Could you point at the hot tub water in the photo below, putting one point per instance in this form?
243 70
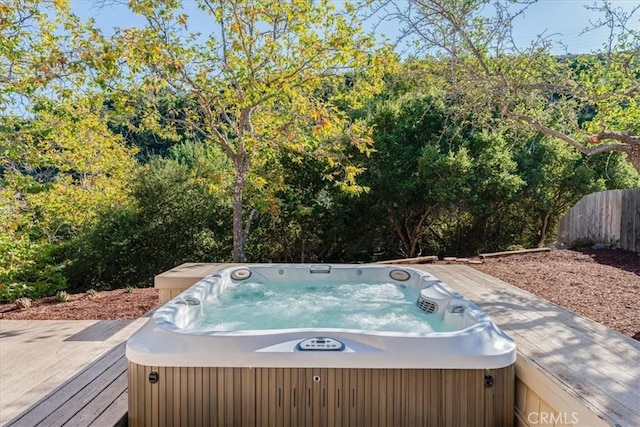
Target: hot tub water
363 306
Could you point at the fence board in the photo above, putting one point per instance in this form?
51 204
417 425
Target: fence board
630 220
611 217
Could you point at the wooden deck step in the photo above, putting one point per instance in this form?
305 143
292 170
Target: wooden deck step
95 396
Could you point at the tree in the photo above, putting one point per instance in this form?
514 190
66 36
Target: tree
556 178
430 180
255 82
492 80
407 172
59 169
59 164
45 51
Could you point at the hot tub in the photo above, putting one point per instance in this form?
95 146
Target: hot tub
320 345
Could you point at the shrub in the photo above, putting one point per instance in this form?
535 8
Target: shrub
174 218
583 243
13 291
128 290
92 293
23 303
62 296
29 269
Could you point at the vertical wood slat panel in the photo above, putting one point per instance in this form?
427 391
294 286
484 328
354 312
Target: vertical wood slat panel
448 390
154 404
238 397
323 397
206 397
341 402
333 411
190 397
466 381
213 396
272 397
261 419
507 394
411 398
393 393
229 397
250 379
399 417
287 396
147 397
162 399
437 404
363 394
386 381
491 399
275 391
470 379
351 391
172 415
375 399
302 397
296 398
610 217
630 222
316 396
197 400
182 410
132 390
265 402
479 406
220 396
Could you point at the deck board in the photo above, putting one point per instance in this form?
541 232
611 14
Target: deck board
75 372
82 392
113 412
67 391
85 397
109 397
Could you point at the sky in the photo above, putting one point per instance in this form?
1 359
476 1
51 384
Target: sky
567 19
564 19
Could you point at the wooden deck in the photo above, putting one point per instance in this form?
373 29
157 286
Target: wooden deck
567 365
567 360
55 373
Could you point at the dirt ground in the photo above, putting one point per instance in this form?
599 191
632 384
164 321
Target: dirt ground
603 285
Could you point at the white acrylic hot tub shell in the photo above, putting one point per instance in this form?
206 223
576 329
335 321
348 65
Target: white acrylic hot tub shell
167 341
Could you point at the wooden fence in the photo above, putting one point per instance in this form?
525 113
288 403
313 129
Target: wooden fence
610 217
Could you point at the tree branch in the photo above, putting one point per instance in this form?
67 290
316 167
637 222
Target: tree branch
624 147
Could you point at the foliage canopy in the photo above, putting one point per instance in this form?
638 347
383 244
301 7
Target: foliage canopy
124 155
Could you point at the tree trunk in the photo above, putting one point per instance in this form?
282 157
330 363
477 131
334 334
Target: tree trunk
239 237
543 230
634 155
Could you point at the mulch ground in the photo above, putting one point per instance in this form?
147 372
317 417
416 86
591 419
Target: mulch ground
602 285
105 305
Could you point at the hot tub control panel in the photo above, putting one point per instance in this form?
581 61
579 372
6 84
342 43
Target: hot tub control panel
320 344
